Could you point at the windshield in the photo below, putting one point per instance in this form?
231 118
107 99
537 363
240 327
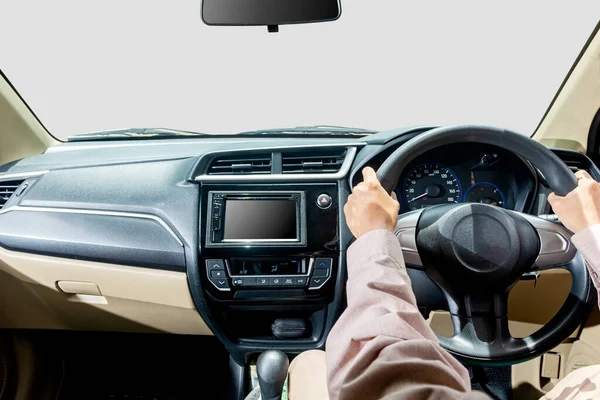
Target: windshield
87 66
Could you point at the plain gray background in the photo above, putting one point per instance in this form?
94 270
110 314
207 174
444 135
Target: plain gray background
105 64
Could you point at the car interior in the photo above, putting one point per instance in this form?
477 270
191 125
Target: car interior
159 263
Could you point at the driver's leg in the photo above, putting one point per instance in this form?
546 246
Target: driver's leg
307 379
581 384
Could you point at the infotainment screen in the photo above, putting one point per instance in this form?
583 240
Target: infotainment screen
260 220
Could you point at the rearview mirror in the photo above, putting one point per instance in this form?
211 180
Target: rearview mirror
269 12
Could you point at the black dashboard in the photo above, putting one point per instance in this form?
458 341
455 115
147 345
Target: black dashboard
172 205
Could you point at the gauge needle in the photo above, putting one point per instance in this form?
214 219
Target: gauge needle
418 197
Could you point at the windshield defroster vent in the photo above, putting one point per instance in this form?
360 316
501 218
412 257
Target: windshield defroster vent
7 189
248 165
313 162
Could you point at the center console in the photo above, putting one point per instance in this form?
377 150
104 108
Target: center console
269 252
280 243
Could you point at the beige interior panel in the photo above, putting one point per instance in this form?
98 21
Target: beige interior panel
535 303
21 134
129 299
590 335
568 121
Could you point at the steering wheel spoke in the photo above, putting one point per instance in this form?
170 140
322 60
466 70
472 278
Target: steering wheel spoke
480 324
555 248
406 232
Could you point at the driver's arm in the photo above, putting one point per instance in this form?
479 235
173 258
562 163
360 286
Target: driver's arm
381 347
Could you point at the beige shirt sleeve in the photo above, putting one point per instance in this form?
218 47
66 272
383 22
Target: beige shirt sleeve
588 243
381 347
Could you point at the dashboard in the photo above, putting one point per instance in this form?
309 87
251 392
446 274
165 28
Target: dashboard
217 236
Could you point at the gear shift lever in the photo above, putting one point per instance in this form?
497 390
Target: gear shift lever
272 368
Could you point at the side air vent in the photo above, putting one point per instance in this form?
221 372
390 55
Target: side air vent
7 189
574 165
243 165
313 162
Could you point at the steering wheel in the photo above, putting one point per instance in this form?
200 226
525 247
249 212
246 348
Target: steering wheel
476 253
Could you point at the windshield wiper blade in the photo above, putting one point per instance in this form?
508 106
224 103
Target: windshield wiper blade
162 133
135 133
324 130
335 128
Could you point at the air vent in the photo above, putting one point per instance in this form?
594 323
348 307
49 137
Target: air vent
7 189
314 162
248 165
574 165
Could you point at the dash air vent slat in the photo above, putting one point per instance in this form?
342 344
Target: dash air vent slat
575 165
240 165
313 162
7 189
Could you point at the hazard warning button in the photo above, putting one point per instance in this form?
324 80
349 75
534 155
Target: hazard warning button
324 201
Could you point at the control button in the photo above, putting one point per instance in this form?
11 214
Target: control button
249 281
321 272
316 283
216 211
218 274
289 282
244 282
299 281
276 281
263 281
216 224
323 263
215 265
324 201
220 283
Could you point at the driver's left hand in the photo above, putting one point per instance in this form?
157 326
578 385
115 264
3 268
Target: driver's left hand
370 207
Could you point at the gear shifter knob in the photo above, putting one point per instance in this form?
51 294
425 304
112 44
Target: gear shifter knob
272 368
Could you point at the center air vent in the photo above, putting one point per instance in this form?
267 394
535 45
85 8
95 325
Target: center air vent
243 165
7 189
313 162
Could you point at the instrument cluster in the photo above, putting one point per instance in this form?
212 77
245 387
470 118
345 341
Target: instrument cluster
466 173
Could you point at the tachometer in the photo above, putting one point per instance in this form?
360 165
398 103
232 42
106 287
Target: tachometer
431 184
486 193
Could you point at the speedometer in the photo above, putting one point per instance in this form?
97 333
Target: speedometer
431 184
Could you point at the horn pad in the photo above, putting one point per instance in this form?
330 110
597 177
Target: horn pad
476 244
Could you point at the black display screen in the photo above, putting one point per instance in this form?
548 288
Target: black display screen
258 220
266 267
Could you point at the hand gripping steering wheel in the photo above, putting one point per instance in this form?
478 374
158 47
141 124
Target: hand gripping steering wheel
476 253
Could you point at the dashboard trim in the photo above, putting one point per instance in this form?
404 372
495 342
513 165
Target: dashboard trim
20 175
341 174
155 218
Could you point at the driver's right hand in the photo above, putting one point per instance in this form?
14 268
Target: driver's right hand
580 208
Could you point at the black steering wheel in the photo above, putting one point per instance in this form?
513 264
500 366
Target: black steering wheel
476 253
